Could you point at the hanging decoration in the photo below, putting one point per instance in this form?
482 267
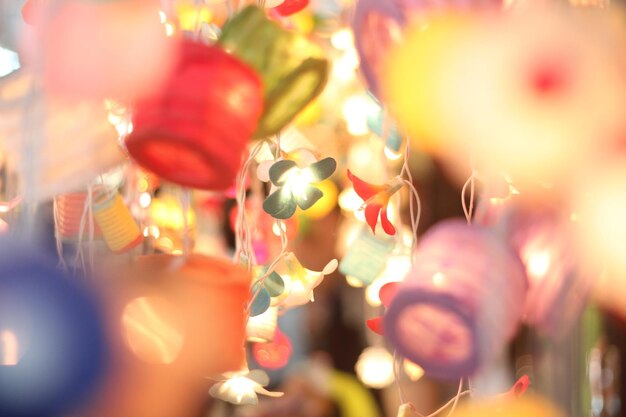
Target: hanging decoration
375 201
274 354
290 67
119 229
199 147
242 387
462 301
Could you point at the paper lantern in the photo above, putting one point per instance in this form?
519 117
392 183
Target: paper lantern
53 348
71 209
113 217
558 287
97 49
461 302
290 66
175 321
261 328
195 130
58 145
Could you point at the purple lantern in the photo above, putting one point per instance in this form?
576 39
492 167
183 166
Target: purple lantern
460 304
378 25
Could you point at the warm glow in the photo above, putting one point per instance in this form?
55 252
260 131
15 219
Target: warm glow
538 263
241 387
356 110
439 279
375 367
168 213
396 269
145 199
412 370
9 348
342 39
153 330
354 281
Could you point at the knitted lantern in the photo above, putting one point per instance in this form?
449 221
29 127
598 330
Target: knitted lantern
461 302
58 145
195 130
175 321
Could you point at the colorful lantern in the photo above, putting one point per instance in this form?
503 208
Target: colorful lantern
113 217
71 209
462 301
558 288
53 348
175 321
195 130
292 74
64 145
98 49
261 328
274 354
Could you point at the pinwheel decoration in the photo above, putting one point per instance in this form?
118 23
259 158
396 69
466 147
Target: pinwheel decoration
375 200
294 186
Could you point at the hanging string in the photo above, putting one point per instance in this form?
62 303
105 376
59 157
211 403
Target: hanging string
91 226
453 401
468 211
414 199
57 236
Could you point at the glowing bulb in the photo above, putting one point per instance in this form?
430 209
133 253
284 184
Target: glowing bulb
391 154
412 370
356 110
162 16
345 67
10 348
396 269
342 39
144 200
375 367
169 29
276 229
538 263
439 279
354 282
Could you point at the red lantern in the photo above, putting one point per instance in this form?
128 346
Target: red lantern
274 354
195 130
289 7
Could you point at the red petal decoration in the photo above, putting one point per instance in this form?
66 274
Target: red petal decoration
364 189
376 325
275 354
289 7
372 210
520 387
384 221
387 292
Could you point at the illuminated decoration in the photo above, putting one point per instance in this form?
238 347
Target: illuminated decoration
194 132
71 209
119 229
294 186
301 281
274 354
462 301
242 387
413 371
375 200
167 212
325 205
366 257
152 329
386 294
558 285
396 269
375 367
287 63
53 347
206 295
385 128
98 49
289 7
55 162
191 15
264 289
447 80
261 328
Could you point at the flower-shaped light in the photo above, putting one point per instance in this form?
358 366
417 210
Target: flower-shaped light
301 281
386 294
375 200
294 187
242 387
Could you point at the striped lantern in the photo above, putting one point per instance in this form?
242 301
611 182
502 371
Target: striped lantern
58 146
114 219
70 209
461 302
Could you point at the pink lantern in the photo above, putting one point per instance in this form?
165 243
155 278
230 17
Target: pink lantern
544 239
460 304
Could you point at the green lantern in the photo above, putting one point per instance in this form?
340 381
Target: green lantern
292 75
